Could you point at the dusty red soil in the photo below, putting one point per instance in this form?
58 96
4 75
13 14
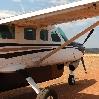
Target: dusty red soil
87 85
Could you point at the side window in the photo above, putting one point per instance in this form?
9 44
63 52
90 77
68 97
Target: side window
55 37
7 32
29 33
44 35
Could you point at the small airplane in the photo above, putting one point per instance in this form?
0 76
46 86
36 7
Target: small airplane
33 50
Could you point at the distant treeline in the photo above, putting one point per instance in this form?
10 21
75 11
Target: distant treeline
92 50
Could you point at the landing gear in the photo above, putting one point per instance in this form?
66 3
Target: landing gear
33 85
71 80
47 94
42 94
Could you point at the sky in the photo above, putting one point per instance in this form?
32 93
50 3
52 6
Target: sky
29 5
15 7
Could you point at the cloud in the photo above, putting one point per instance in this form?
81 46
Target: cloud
56 2
53 2
59 2
6 13
32 1
16 0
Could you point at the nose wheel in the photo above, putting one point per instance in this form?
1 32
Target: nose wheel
71 80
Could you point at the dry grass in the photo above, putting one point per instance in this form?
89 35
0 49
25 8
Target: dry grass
87 85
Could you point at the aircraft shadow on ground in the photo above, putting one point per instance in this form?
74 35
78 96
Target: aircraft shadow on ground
64 91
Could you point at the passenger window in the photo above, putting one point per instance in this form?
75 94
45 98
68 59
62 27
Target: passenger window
7 32
29 33
44 35
55 37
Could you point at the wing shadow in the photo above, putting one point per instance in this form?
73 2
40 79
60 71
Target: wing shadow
64 91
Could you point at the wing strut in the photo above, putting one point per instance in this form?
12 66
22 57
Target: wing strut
69 41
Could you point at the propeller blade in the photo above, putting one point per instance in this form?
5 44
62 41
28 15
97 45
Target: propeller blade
83 64
88 36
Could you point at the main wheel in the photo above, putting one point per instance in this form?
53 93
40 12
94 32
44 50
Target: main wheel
71 80
47 94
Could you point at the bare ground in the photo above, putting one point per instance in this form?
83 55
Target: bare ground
87 85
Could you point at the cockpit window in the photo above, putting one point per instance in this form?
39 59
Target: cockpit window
30 33
55 37
44 35
62 34
7 31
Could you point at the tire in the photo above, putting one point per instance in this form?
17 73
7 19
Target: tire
46 94
71 80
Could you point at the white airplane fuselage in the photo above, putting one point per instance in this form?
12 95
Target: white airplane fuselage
23 52
28 43
68 54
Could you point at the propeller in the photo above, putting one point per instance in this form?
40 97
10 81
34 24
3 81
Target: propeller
88 36
82 59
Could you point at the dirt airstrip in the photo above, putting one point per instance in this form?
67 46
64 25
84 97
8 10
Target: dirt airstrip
87 85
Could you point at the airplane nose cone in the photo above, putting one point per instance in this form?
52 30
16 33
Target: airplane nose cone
79 46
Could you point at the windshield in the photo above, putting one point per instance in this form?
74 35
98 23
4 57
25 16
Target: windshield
55 35
60 31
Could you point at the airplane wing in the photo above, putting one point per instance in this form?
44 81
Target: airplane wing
59 14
